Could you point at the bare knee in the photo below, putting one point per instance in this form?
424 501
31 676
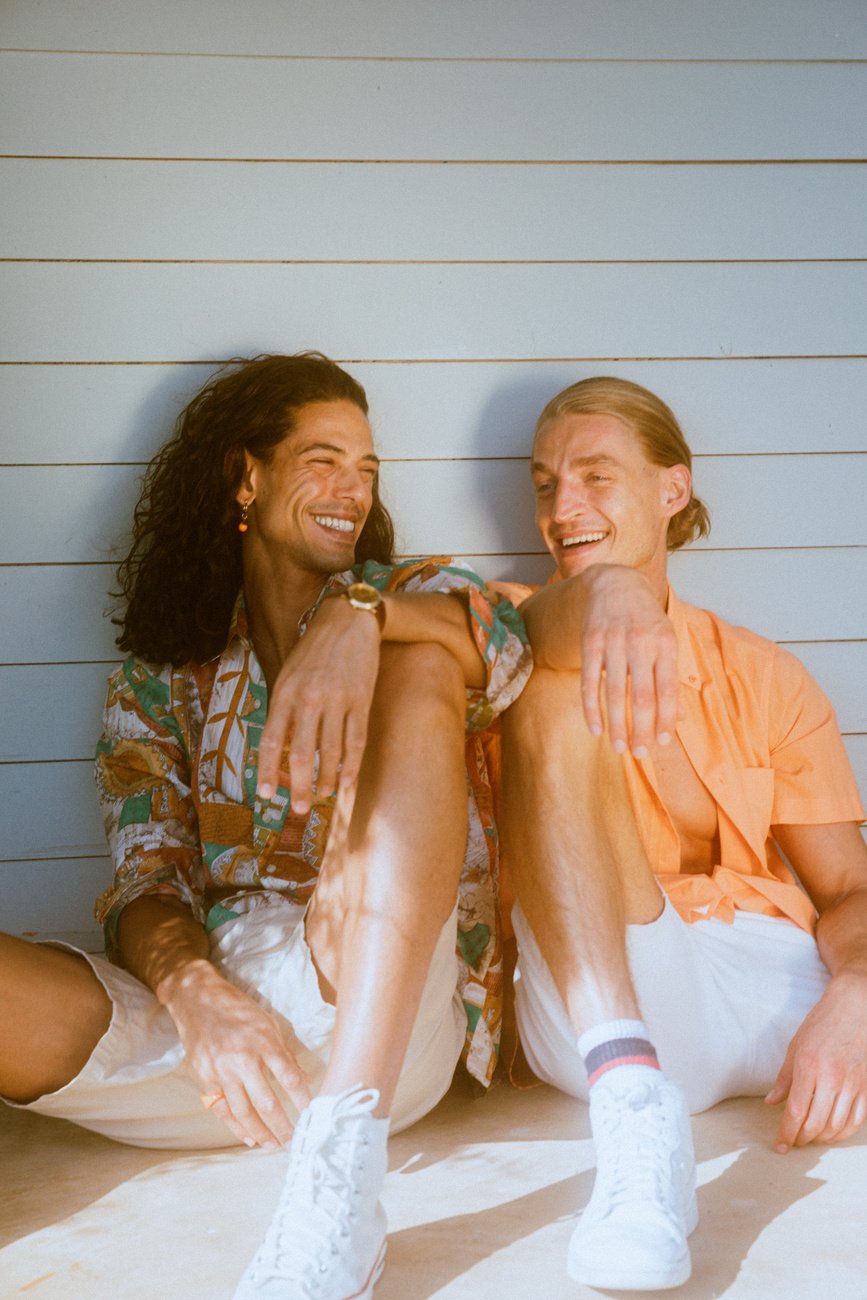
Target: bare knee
421 677
547 716
55 1012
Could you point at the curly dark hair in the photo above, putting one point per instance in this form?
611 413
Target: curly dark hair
179 581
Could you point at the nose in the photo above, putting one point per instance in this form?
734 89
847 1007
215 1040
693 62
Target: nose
568 500
352 484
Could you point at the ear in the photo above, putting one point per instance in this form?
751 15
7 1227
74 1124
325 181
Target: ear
676 490
247 487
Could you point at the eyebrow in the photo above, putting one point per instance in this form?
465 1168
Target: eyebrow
341 451
598 458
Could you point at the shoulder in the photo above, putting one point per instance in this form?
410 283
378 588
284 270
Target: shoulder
422 573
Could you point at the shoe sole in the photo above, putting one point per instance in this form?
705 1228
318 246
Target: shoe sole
611 1280
366 1292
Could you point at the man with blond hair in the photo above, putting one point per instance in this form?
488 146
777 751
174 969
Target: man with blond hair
658 771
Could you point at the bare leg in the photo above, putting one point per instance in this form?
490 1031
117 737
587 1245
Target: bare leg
569 835
54 1013
385 893
582 875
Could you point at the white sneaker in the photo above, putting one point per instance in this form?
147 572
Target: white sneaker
327 1238
633 1233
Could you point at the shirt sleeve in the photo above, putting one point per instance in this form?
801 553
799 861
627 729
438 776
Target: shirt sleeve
813 779
496 626
143 783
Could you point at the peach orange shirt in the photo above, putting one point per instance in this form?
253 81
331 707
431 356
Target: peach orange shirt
763 739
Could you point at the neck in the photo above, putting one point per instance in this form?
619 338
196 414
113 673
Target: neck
276 596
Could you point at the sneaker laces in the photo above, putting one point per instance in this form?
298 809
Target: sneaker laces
328 1150
639 1136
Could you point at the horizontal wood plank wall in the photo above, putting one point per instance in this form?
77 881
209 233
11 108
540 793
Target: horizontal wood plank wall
471 207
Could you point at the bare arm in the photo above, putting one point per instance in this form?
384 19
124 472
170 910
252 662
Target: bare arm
823 1079
231 1043
321 699
608 623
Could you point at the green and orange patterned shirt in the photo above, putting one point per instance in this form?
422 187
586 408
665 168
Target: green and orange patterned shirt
176 773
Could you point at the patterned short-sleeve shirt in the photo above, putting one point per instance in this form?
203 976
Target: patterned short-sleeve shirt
176 772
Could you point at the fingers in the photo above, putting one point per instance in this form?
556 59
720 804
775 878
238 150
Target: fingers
639 684
253 1110
276 728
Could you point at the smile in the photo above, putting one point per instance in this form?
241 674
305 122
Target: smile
582 541
339 525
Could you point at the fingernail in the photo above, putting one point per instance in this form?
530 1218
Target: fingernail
640 751
664 738
300 808
782 1148
265 791
620 746
269 1146
596 729
248 1142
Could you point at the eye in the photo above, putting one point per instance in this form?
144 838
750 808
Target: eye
544 487
598 477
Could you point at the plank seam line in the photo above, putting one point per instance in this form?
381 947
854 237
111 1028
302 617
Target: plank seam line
477 361
430 261
404 555
436 460
439 162
426 58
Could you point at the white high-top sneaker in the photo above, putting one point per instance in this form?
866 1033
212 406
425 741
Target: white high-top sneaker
633 1232
327 1237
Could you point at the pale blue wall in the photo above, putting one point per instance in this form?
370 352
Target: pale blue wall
471 206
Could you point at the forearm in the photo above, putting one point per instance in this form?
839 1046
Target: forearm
841 935
162 944
438 617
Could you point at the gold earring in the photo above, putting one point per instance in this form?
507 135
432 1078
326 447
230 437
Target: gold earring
242 522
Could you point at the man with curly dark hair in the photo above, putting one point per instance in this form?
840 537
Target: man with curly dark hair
302 934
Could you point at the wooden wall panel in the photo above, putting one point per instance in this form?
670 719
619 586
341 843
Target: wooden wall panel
462 295
54 612
54 898
127 106
85 414
54 804
760 501
677 29
66 723
60 208
80 312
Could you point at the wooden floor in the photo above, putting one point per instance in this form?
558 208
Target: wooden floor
481 1197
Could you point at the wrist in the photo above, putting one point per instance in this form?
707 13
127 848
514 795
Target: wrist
183 979
365 601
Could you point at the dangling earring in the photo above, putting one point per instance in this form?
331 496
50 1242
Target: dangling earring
242 522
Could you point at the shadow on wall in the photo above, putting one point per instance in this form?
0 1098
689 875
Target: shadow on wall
507 421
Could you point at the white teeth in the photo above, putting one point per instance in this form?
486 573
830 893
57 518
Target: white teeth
329 521
581 541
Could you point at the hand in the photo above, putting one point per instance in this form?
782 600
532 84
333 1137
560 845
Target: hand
629 658
321 703
236 1050
823 1079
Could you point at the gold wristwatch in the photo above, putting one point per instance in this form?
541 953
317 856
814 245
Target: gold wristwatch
361 595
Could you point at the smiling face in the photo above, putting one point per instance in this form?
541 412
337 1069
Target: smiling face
310 501
600 500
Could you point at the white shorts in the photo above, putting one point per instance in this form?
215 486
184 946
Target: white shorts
138 1088
721 1002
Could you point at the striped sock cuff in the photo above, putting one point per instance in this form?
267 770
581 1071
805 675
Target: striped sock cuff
619 1051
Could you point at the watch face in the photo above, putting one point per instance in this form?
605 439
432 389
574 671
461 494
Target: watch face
362 595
